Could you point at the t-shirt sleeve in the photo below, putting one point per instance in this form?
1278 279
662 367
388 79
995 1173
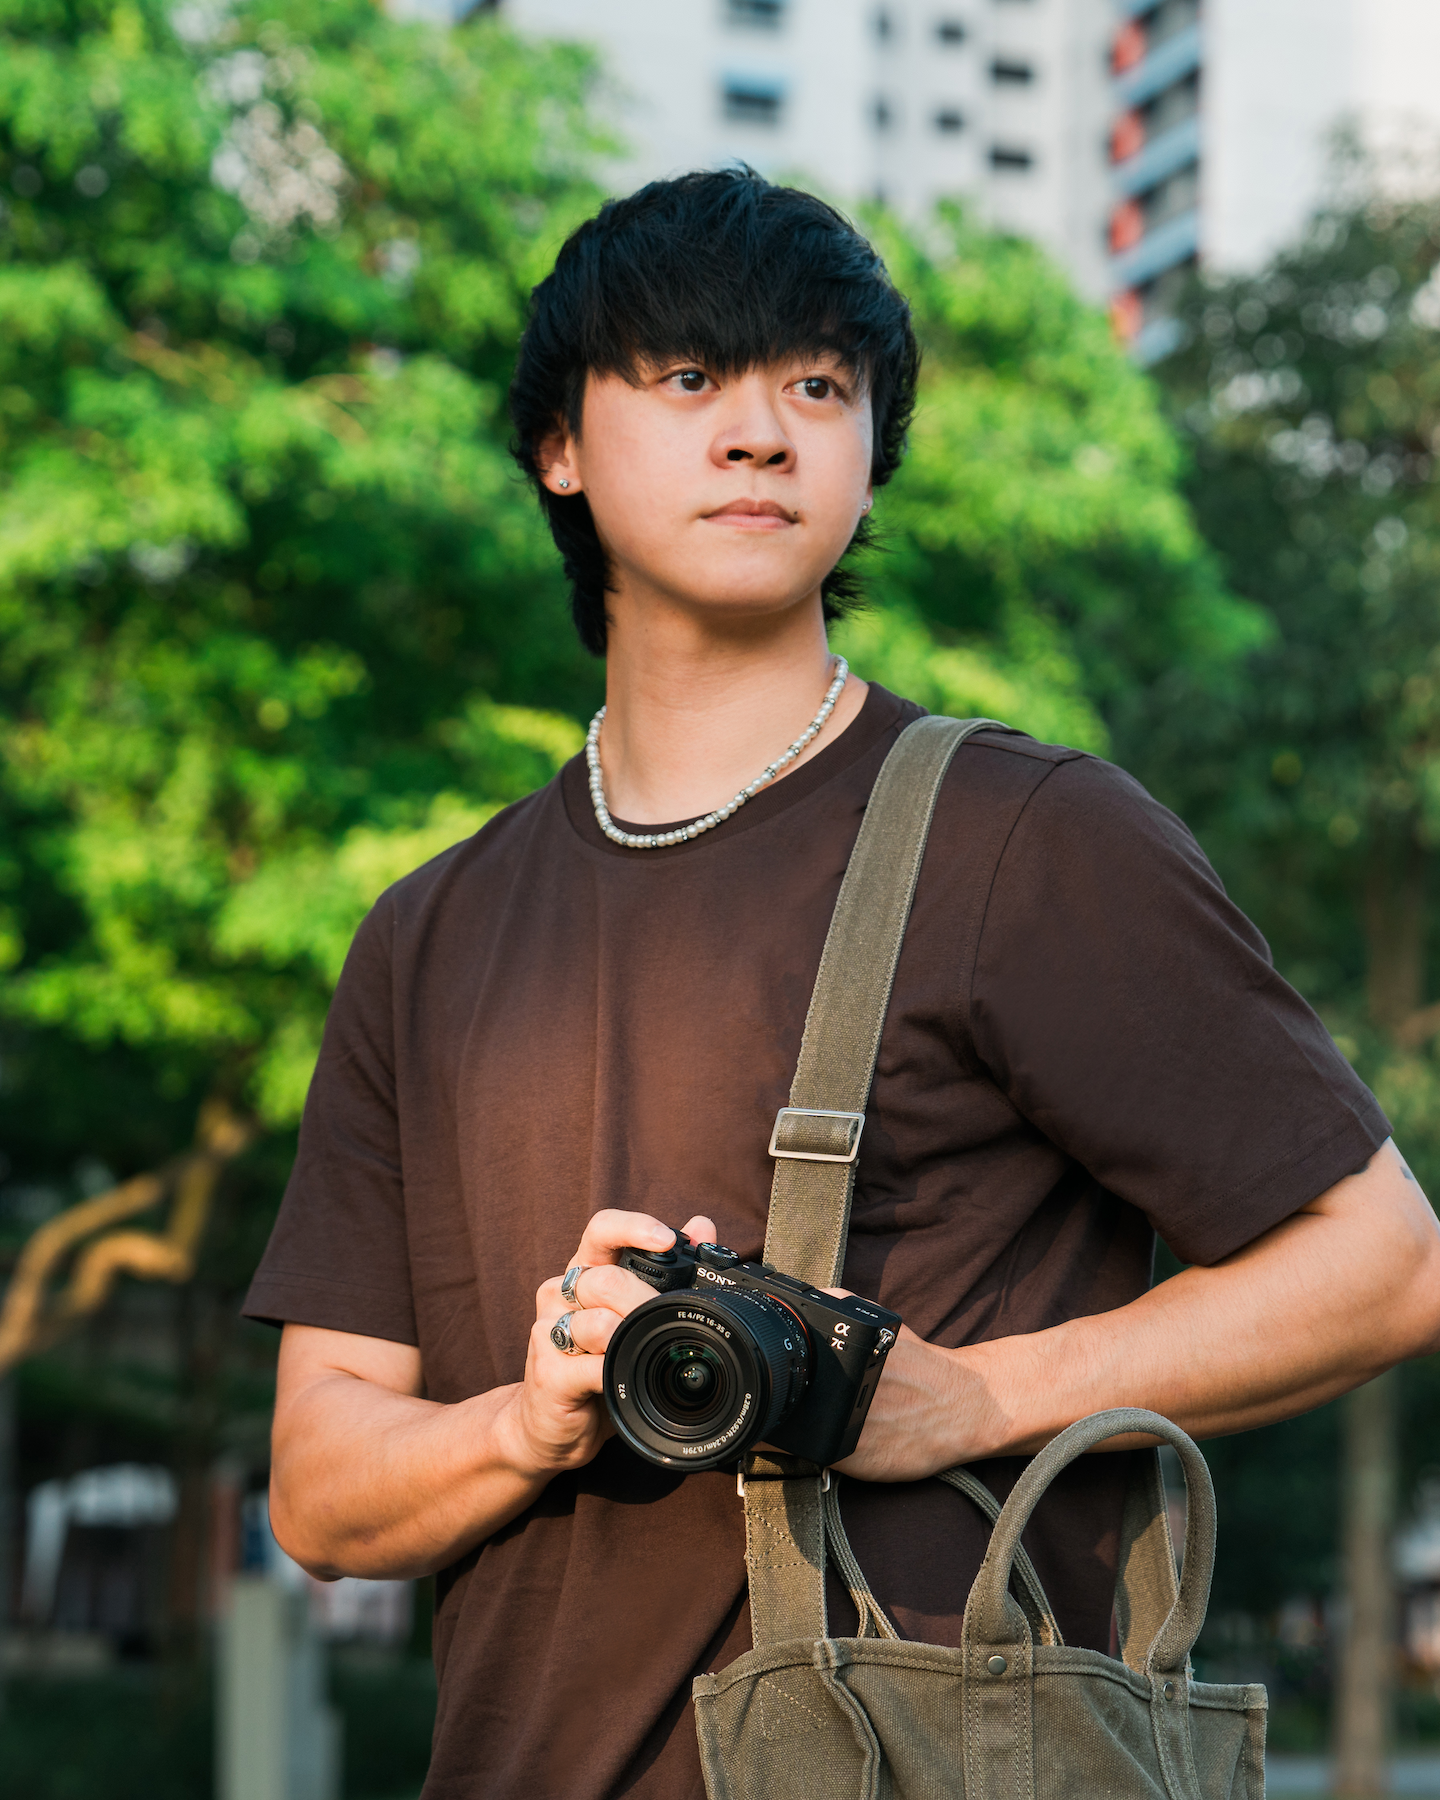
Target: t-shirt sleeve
1131 1012
338 1255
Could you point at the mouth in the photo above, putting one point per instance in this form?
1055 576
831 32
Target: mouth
753 515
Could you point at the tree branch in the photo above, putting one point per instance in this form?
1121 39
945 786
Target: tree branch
31 1319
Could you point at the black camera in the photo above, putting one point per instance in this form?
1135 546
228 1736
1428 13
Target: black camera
730 1354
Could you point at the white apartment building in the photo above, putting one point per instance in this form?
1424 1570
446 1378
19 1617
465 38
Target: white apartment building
1133 139
1225 114
1003 101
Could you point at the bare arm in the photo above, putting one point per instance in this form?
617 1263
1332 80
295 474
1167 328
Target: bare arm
1329 1298
368 1478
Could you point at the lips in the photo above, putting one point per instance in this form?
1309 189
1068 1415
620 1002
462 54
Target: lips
752 509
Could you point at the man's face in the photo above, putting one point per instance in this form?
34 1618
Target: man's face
733 494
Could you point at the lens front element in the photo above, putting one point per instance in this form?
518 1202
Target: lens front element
687 1379
694 1380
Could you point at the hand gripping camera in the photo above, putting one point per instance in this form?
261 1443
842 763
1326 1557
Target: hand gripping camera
730 1354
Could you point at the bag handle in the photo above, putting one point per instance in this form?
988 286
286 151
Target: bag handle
992 1617
817 1138
1146 1589
1033 1600
1028 1588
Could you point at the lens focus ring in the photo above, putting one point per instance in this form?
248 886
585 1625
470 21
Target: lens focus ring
693 1380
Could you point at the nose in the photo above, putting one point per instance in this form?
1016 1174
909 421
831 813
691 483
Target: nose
751 431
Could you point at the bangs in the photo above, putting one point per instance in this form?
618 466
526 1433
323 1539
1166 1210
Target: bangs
743 285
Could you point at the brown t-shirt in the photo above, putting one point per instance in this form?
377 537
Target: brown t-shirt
1085 1041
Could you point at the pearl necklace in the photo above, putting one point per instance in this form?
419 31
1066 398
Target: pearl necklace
658 840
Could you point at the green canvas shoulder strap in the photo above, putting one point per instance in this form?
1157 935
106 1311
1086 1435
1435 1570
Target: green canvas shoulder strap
815 1144
817 1139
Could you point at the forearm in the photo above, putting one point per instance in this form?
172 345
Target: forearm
370 1482
1201 1349
1345 1288
1333 1296
367 1478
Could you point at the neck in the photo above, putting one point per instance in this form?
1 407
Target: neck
693 711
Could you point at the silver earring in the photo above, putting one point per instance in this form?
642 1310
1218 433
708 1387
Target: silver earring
563 484
865 506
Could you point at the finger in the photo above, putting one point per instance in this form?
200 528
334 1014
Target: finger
701 1230
568 1383
610 1232
590 1331
608 1285
570 1378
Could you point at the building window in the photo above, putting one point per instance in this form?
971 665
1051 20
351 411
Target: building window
884 26
753 102
1007 156
1169 18
950 31
1172 107
1179 193
1005 72
881 113
948 119
769 13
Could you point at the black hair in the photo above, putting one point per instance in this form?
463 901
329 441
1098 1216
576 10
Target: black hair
729 269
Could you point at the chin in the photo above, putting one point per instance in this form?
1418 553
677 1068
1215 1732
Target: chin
751 587
750 600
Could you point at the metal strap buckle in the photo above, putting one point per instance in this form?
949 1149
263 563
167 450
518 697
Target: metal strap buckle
854 1123
824 1481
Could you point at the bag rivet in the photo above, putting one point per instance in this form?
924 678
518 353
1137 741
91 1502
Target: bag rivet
997 1665
1168 1690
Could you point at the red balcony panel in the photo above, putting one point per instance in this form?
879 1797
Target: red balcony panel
1127 315
1128 47
1127 226
1127 136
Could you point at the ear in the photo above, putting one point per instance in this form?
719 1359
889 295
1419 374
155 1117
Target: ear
555 454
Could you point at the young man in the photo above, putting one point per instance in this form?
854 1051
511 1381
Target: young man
554 1041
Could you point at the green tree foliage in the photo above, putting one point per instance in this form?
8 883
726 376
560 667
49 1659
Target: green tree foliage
1310 397
1041 564
272 602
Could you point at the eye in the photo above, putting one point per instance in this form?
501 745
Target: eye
817 387
692 381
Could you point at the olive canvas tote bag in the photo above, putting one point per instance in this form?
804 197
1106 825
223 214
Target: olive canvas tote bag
1014 1713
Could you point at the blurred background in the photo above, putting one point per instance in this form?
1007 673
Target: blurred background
277 623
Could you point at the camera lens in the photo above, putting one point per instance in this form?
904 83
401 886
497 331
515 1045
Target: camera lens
696 1380
684 1383
688 1378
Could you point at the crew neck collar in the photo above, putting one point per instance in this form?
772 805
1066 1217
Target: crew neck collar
881 713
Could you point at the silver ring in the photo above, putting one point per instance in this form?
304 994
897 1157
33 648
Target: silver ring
571 1283
560 1336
